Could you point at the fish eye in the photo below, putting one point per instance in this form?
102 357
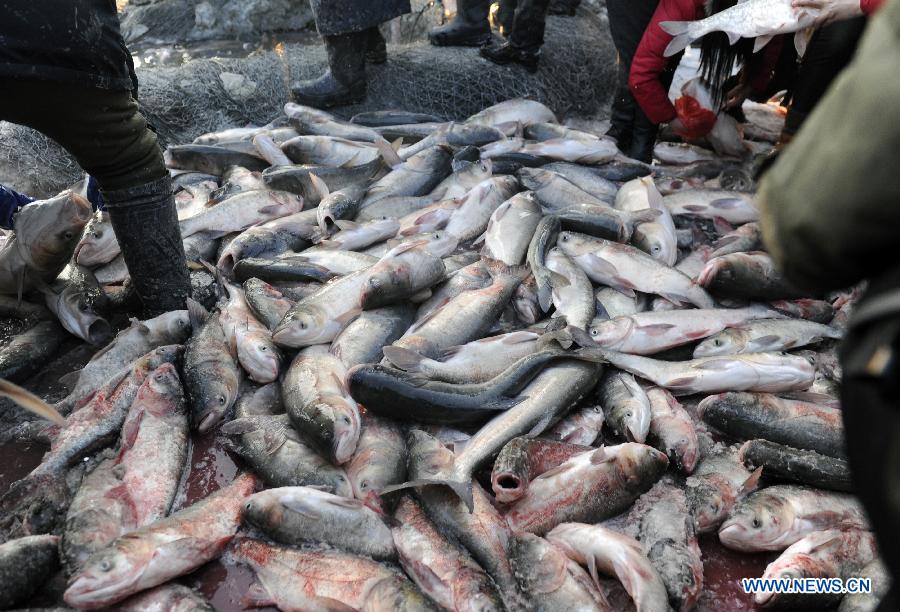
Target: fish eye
564 237
346 420
98 234
263 349
756 523
82 307
628 414
595 332
221 400
302 325
437 236
105 565
341 479
364 484
67 235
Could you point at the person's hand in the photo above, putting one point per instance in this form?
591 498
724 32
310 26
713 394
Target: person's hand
677 126
829 10
737 94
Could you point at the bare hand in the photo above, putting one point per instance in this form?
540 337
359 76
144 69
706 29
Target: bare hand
737 94
829 10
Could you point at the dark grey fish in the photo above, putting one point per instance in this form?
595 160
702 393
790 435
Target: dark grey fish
392 118
363 340
80 304
25 565
211 159
751 276
750 416
296 179
415 177
522 459
266 302
786 464
544 237
380 458
31 350
288 267
211 373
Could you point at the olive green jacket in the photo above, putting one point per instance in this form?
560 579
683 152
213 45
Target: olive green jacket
831 202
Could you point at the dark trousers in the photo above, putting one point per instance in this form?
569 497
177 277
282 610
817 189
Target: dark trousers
830 50
628 19
525 20
870 395
102 129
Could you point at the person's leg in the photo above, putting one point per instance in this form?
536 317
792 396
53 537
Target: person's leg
523 45
870 397
469 28
345 80
376 46
830 50
627 21
506 15
644 133
108 136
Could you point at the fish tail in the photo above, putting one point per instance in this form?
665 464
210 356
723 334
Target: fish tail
680 33
403 358
463 490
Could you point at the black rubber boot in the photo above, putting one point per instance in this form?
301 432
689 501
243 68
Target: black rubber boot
621 117
506 53
345 80
146 227
469 28
376 46
564 7
643 138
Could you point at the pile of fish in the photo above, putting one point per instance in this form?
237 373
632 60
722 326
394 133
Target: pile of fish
479 365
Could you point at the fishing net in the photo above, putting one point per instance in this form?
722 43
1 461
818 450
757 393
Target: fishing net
575 79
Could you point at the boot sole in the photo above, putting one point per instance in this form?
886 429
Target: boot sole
531 68
441 40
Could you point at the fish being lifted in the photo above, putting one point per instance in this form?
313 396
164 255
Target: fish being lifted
759 19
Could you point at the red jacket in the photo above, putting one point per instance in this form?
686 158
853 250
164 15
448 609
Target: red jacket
649 62
870 6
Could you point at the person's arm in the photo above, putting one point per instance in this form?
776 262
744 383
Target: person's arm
649 61
829 209
10 202
836 10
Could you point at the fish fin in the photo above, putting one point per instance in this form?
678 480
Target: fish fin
345 224
601 455
545 298
350 163
656 329
270 208
764 342
518 337
404 358
319 185
238 426
674 298
197 314
647 215
345 319
601 265
715 365
299 506
761 41
71 379
503 403
30 402
558 279
625 291
726 203
344 502
329 244
801 40
388 152
581 337
562 468
733 37
480 239
679 31
681 383
463 490
257 596
751 483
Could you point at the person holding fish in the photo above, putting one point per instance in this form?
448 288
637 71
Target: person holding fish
673 25
65 72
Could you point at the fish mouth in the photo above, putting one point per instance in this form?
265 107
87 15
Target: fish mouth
729 535
763 599
207 422
97 331
507 487
82 593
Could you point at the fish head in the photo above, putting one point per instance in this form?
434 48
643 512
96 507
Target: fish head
640 464
333 425
573 244
427 455
303 325
264 509
525 302
165 383
51 229
77 312
727 342
98 244
104 575
611 333
476 593
174 326
440 243
213 398
384 283
709 502
347 427
260 357
717 269
757 523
